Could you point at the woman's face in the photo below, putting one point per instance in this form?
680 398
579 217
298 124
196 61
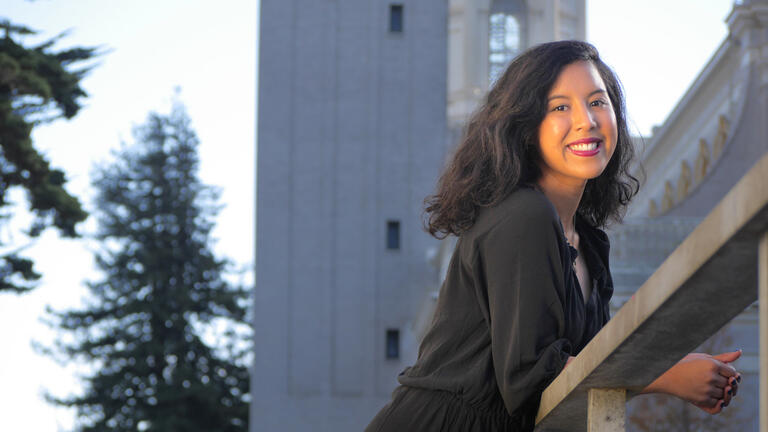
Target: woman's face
578 134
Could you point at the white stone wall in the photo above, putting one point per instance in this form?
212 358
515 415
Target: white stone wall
351 132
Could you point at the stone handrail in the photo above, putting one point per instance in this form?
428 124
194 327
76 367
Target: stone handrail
708 280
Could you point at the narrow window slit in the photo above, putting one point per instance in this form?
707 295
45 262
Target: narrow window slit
396 18
393 343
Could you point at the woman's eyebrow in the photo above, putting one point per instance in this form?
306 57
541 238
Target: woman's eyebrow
594 92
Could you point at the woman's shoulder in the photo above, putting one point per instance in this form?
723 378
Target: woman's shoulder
596 237
525 209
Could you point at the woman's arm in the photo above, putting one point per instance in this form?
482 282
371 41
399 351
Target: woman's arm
708 382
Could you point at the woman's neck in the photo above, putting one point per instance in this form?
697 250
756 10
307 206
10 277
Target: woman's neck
565 196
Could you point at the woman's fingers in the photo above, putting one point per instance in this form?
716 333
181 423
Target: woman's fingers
715 392
727 395
732 380
719 405
726 370
728 357
734 383
719 381
711 405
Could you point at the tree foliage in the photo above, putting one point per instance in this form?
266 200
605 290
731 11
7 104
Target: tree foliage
162 286
37 85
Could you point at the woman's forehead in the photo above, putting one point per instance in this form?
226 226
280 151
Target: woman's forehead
577 77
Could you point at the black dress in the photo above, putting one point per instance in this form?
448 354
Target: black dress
509 314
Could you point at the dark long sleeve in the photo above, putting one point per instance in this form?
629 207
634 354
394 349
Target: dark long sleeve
522 263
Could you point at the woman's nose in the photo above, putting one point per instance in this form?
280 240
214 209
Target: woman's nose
584 118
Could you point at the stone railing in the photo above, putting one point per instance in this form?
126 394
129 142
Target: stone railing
709 279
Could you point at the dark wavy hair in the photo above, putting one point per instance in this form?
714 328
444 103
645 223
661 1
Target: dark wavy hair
500 147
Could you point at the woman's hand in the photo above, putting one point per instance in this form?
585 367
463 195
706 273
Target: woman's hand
709 382
570 359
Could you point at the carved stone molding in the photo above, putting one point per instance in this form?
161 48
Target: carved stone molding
652 209
669 197
684 182
689 179
721 137
702 162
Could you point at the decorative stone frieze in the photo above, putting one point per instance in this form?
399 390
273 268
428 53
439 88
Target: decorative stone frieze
669 197
722 136
702 162
684 182
687 181
652 209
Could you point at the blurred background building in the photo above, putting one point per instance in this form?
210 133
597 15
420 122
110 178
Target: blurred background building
360 104
717 131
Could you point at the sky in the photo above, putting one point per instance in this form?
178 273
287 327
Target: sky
209 51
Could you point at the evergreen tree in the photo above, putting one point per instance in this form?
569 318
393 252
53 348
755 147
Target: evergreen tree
36 85
162 286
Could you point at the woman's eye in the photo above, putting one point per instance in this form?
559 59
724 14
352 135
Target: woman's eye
599 102
559 108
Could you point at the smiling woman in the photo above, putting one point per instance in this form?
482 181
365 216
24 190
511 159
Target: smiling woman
530 116
543 166
578 134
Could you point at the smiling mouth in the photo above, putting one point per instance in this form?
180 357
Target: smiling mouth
585 149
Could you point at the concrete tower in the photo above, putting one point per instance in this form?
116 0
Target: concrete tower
353 129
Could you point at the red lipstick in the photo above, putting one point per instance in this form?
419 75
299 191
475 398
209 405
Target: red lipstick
585 147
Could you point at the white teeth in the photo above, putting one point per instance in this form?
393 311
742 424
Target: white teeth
584 147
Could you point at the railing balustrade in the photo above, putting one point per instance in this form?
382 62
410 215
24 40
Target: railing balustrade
708 280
